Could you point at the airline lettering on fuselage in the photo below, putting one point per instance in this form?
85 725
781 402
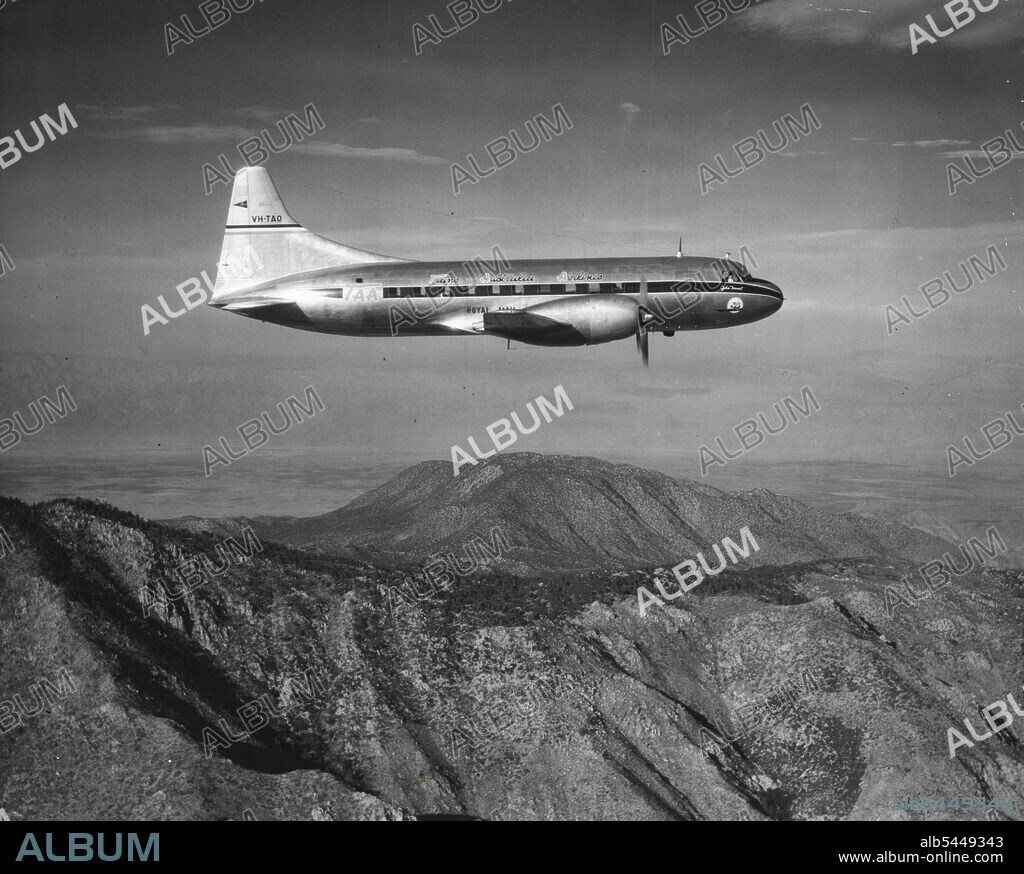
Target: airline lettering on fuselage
361 295
509 278
443 279
580 277
492 309
266 219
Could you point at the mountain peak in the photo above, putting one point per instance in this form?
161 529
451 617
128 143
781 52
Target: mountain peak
566 512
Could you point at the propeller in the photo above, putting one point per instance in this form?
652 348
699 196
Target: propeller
642 337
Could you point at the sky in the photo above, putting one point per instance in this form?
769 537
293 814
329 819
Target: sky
847 220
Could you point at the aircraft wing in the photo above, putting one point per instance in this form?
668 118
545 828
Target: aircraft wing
531 327
522 325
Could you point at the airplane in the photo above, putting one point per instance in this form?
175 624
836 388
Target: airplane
272 269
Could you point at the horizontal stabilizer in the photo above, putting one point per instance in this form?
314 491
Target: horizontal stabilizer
252 304
280 312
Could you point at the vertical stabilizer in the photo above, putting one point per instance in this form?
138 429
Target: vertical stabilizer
262 241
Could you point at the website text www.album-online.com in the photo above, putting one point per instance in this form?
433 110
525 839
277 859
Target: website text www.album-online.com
944 849
944 856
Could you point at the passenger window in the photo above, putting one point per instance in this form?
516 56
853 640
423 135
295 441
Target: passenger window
506 289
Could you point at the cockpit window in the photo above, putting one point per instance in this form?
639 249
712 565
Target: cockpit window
712 274
719 271
739 271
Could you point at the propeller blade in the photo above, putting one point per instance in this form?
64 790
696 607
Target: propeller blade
642 337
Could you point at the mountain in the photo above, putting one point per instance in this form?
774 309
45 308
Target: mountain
571 513
294 685
919 519
912 519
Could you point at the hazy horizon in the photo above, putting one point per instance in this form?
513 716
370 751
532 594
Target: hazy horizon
312 482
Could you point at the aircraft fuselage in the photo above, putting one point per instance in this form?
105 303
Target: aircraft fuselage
273 269
444 298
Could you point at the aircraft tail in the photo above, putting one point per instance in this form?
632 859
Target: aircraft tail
263 242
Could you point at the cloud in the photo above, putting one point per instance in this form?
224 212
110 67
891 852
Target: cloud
976 153
628 112
260 113
170 135
198 133
338 150
140 113
804 154
932 144
881 23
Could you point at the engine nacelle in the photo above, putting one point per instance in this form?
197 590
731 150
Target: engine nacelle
575 321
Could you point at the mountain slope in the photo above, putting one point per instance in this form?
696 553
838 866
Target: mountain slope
126 743
504 697
565 512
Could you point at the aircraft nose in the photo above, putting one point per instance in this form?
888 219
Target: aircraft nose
774 294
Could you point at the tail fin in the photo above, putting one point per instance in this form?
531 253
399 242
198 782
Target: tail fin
263 242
